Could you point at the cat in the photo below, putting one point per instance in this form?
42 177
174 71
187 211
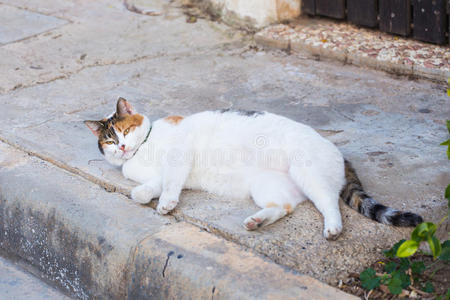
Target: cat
276 161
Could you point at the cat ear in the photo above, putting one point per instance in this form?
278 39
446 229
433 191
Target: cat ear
95 126
124 107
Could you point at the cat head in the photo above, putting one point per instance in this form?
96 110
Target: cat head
121 134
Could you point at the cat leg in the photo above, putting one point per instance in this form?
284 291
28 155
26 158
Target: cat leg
277 194
144 193
175 173
264 217
324 195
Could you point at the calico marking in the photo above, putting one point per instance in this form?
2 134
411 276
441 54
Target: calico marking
353 194
107 133
128 121
247 113
104 130
174 119
288 208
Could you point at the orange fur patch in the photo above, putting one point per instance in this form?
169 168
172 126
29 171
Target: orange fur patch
287 208
355 201
271 204
174 119
129 121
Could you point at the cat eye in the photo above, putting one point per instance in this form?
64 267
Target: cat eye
109 142
126 131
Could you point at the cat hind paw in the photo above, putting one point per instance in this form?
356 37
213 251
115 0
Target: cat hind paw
252 223
331 233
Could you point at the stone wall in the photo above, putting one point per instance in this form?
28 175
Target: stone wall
251 14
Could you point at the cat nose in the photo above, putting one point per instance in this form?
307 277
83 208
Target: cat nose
122 147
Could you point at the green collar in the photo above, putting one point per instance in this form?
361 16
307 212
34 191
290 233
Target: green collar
146 138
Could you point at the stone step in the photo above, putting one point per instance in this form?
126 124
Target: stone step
96 244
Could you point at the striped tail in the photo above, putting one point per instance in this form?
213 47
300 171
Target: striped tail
353 194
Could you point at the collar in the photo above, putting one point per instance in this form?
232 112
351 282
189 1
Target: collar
146 138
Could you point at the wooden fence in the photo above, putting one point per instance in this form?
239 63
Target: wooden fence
425 20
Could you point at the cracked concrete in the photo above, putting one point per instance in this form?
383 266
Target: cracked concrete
123 38
389 127
22 24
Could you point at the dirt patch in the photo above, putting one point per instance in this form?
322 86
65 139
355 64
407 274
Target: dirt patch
437 274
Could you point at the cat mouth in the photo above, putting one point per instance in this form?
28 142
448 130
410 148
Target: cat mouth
127 154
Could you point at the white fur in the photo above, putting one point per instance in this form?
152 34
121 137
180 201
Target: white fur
276 161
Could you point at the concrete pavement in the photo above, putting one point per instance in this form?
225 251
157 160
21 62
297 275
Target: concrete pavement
17 284
84 54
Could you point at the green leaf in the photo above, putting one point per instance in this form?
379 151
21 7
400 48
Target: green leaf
372 283
392 252
395 285
369 280
445 254
446 143
435 246
404 278
417 267
447 192
423 231
408 248
385 278
429 288
448 121
390 267
447 295
367 273
404 264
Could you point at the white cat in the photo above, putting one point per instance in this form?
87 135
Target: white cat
238 154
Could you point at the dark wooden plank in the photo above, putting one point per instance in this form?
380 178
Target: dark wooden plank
331 8
430 20
395 16
309 7
363 12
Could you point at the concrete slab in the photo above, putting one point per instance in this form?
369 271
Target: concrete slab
16 283
106 35
18 24
376 121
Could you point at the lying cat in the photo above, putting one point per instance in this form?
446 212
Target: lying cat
274 160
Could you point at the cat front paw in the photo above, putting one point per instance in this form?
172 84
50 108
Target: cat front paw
166 205
142 194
